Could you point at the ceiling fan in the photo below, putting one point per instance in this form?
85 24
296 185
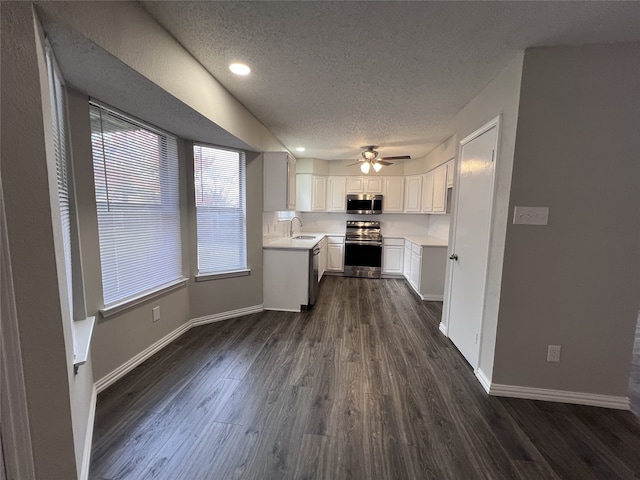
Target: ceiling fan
370 159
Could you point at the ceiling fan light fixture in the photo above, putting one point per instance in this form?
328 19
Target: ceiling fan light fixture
377 166
369 154
365 167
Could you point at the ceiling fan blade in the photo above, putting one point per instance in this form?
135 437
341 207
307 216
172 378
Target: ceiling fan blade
357 163
382 162
401 157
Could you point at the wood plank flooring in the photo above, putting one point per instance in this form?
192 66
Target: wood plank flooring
363 386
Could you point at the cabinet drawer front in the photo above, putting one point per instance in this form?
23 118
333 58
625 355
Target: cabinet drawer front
416 249
335 239
393 241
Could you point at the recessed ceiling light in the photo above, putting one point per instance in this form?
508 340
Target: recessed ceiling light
239 69
300 149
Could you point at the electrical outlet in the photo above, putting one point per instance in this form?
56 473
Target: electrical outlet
156 313
553 353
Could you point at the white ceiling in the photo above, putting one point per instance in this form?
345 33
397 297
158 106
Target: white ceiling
334 76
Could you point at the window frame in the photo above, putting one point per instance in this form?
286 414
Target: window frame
129 301
215 275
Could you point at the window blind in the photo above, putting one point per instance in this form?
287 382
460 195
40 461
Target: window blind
220 190
136 179
59 122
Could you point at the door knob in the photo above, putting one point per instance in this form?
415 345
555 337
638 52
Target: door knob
453 256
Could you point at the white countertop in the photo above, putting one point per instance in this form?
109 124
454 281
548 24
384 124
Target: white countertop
422 240
308 244
295 244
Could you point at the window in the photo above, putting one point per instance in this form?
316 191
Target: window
220 179
136 179
59 125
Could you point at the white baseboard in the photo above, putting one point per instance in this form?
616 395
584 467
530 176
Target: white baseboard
432 298
484 381
563 396
88 439
443 329
218 317
126 367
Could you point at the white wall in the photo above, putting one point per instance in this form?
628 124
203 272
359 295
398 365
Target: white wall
576 281
500 97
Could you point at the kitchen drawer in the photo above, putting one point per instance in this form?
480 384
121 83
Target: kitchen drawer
416 249
393 241
339 239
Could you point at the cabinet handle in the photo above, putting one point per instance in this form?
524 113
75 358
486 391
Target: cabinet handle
453 256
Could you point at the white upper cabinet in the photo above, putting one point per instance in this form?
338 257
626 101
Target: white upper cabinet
311 193
394 195
434 190
374 185
279 177
412 194
355 185
427 192
440 189
451 171
337 193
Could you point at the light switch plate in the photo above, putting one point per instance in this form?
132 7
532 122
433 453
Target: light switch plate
531 215
156 313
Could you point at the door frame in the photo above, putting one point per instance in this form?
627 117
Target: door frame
444 328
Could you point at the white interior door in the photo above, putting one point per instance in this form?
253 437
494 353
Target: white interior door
471 241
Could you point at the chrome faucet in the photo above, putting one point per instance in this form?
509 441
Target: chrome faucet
291 225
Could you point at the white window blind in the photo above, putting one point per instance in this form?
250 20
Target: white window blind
136 179
59 122
220 179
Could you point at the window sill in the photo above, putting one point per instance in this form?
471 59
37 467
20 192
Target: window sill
132 302
217 276
82 333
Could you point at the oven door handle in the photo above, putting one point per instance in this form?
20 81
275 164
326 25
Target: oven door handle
356 242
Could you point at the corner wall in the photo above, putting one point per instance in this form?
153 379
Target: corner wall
500 97
576 281
26 147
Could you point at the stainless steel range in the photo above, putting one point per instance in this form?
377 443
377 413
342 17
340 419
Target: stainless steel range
363 249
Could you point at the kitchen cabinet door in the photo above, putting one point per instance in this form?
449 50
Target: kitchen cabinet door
427 192
416 267
392 256
355 185
335 256
439 202
394 195
337 194
450 172
412 194
319 194
279 182
406 270
373 185
311 193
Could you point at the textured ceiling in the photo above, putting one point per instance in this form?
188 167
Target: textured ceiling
333 76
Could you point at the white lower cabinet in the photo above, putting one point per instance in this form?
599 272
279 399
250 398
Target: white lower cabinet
287 288
406 261
335 254
425 269
392 256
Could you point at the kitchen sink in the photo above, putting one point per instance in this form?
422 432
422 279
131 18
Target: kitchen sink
304 237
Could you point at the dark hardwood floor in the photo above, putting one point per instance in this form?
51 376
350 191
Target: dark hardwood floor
363 386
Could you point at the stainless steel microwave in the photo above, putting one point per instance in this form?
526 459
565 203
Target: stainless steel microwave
364 204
